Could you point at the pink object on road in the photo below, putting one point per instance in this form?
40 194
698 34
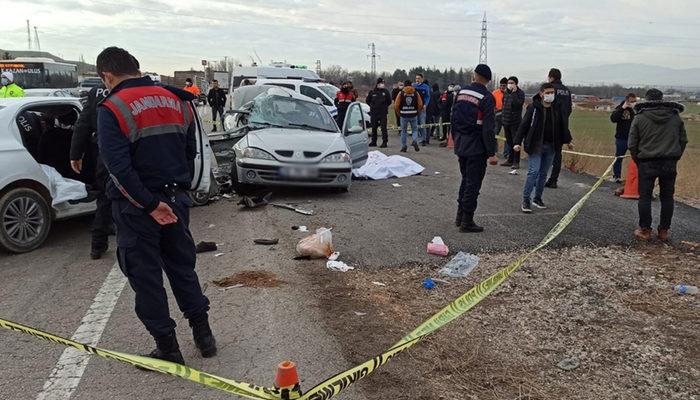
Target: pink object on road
438 249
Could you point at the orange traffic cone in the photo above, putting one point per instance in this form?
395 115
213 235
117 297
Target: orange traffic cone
450 141
631 190
287 381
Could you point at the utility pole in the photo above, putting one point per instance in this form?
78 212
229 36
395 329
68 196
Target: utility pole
36 39
373 56
226 63
482 49
29 37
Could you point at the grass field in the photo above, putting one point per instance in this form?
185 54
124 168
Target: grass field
593 132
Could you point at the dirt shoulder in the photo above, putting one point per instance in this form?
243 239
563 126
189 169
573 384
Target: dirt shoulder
610 312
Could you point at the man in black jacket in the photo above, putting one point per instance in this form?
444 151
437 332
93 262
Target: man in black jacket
379 99
542 131
434 111
446 100
394 94
565 105
85 157
622 117
217 102
657 141
513 100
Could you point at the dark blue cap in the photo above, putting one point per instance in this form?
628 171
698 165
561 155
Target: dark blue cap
483 70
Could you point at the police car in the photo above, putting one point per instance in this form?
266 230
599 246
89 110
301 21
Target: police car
36 131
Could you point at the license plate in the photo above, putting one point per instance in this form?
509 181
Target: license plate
298 172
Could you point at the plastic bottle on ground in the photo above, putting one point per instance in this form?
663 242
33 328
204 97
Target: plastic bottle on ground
685 289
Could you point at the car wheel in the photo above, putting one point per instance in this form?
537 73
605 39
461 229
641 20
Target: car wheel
25 220
201 198
242 189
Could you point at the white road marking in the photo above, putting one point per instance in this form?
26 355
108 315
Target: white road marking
69 369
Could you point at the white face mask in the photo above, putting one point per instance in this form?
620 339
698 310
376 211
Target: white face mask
381 86
5 81
511 86
450 88
549 98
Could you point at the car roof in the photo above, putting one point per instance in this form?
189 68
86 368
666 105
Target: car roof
15 103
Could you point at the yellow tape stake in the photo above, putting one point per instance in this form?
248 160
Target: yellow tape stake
242 389
331 387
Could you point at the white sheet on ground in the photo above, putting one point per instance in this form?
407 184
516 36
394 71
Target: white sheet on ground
63 189
381 166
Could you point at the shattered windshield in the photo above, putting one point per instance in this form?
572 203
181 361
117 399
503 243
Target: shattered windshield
288 112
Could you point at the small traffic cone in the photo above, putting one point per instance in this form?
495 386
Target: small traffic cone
450 141
631 190
287 381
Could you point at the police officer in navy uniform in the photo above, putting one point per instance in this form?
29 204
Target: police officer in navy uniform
473 121
85 160
146 136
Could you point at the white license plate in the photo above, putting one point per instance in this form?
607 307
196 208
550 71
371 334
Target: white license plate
299 172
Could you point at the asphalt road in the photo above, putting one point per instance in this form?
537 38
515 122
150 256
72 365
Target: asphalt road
375 225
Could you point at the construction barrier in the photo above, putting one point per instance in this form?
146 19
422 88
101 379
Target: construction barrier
332 386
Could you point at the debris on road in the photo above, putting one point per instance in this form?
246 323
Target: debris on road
460 265
238 285
360 314
437 247
226 196
569 364
292 208
318 245
338 266
685 289
255 201
428 283
396 185
266 242
300 228
211 226
203 247
379 283
218 254
513 172
334 256
692 245
255 279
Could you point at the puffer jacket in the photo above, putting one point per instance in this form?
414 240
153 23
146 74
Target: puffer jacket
657 131
531 131
512 107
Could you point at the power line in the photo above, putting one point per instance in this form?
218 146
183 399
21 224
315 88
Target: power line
482 47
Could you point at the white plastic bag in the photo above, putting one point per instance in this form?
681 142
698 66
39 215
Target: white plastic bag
318 245
63 189
460 265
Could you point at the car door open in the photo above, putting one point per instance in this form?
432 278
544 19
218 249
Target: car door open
202 161
355 135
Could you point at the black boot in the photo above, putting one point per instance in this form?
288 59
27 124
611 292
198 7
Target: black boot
458 219
203 337
167 349
384 145
373 143
213 129
468 225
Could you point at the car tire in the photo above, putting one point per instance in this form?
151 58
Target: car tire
242 189
202 199
25 220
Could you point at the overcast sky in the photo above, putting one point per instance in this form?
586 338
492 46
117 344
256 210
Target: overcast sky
168 35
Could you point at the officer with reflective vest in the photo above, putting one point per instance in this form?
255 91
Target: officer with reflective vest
85 160
345 96
473 121
146 137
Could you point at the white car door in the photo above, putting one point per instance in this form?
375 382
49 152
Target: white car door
202 161
355 135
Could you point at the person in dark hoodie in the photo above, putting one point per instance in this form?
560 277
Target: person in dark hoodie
622 117
542 131
511 115
434 111
379 99
565 104
446 100
395 92
345 96
657 140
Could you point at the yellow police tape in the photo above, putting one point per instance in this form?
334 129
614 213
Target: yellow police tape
339 382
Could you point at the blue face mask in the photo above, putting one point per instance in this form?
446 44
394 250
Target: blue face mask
5 81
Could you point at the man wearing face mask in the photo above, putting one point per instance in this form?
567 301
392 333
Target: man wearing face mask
9 87
446 100
149 147
542 131
513 100
379 100
191 87
473 118
398 88
498 95
217 102
343 99
565 104
622 117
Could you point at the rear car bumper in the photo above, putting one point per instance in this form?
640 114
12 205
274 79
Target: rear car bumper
260 172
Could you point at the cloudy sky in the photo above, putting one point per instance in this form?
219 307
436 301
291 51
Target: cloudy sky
167 35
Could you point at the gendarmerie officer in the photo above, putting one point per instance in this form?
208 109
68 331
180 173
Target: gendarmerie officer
473 121
85 159
146 137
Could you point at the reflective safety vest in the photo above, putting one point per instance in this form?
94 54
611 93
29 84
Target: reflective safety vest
11 90
409 104
144 111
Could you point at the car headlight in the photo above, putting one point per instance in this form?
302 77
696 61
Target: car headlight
252 152
337 158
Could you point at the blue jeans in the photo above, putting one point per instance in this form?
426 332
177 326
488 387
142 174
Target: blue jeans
620 150
538 165
423 131
404 129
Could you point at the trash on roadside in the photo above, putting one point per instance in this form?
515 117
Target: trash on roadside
437 247
396 184
460 265
266 242
218 254
692 245
441 281
359 314
300 228
318 245
334 256
379 284
513 172
203 247
226 196
428 283
437 172
292 208
338 266
685 289
238 285
569 364
255 201
211 226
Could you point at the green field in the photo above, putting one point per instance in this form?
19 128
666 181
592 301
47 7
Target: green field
593 132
